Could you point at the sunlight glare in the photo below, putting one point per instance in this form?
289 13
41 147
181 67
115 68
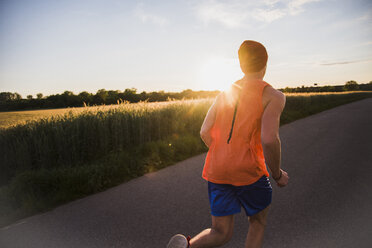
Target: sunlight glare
219 73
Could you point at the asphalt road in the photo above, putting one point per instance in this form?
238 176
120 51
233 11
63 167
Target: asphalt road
327 203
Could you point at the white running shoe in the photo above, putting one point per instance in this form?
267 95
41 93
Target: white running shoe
178 241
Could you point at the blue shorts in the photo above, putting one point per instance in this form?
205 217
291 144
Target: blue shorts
227 199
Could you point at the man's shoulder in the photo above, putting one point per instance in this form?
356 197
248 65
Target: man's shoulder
273 95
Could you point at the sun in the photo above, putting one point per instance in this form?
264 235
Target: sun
219 73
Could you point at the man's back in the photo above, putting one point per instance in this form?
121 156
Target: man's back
235 156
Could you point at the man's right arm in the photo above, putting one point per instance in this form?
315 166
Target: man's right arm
270 133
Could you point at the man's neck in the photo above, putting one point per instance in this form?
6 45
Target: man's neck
253 76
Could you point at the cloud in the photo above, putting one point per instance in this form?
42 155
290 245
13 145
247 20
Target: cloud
237 13
146 17
367 43
295 7
366 17
229 15
268 15
346 62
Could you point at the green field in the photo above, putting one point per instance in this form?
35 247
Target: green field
12 118
66 154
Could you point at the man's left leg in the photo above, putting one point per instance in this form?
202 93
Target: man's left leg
257 224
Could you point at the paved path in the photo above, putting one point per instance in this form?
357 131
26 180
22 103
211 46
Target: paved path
328 202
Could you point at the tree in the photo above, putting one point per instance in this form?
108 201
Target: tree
351 85
143 96
129 95
328 88
100 96
29 97
86 97
17 96
39 95
68 93
112 96
70 99
9 96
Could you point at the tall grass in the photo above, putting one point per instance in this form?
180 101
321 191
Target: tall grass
53 160
82 137
305 104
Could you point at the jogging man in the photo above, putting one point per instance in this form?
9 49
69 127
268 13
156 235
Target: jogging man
241 130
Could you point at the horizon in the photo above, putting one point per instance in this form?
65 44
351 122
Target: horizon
52 46
139 91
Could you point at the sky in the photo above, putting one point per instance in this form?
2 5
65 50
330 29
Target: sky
49 46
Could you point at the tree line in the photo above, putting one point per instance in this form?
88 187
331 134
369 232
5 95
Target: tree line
348 86
13 101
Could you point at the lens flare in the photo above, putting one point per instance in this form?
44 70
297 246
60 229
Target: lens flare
219 73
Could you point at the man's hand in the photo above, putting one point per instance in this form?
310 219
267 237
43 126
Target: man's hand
283 180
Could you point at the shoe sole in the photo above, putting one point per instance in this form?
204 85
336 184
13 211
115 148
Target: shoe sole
178 241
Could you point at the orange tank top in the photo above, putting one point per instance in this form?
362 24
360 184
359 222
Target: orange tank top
235 155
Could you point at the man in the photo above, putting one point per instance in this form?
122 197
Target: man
241 130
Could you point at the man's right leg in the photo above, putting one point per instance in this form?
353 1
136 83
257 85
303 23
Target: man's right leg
257 224
219 234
